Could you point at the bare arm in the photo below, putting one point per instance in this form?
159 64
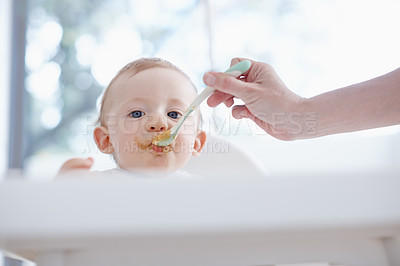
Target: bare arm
370 104
288 116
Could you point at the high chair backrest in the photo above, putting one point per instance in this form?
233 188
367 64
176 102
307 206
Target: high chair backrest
220 157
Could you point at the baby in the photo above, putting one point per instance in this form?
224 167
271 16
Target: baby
145 98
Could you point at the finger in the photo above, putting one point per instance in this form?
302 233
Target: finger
236 60
229 102
226 84
241 111
218 97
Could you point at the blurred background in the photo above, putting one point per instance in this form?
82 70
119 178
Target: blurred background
59 55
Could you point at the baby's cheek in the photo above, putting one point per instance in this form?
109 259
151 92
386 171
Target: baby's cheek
190 126
128 126
187 135
184 144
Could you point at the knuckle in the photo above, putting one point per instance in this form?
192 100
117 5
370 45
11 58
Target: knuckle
235 60
226 82
268 68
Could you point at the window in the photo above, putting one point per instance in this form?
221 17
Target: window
5 19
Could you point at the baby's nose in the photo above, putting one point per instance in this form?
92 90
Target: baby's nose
156 124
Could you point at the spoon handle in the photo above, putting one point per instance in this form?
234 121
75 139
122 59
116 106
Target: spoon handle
234 71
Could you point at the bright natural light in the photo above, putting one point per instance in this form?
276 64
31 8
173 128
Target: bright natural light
245 197
72 54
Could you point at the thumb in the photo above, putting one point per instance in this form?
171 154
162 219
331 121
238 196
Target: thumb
225 83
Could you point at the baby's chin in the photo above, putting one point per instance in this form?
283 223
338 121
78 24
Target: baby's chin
155 164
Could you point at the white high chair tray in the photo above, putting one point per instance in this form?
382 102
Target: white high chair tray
343 220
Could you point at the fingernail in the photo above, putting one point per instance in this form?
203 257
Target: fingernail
242 113
209 79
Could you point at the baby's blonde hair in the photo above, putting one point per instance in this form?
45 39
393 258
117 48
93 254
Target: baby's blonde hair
132 69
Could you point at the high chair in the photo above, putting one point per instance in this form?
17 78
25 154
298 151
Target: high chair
221 157
231 219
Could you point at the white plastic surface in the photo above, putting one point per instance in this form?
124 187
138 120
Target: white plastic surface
224 221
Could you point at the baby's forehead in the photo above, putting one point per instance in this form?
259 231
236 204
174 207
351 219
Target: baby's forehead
160 74
165 82
157 77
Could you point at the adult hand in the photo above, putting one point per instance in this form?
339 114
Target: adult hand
267 100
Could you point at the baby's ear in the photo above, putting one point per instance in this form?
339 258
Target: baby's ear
102 139
199 142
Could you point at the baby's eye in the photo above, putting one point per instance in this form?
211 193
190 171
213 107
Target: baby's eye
136 114
174 115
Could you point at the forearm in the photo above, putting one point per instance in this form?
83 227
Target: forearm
370 104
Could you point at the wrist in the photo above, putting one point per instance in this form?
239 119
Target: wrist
303 120
309 119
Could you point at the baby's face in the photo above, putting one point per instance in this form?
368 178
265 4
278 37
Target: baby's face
145 105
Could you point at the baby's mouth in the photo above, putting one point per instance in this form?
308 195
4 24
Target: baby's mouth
158 149
154 148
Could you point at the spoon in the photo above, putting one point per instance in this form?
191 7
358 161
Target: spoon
167 137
